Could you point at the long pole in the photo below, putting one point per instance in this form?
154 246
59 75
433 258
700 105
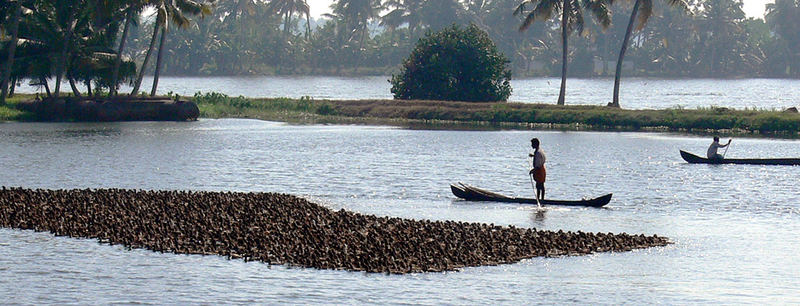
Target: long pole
726 149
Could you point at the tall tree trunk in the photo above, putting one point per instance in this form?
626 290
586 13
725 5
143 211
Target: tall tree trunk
359 53
12 82
118 61
12 48
63 64
360 46
564 16
158 61
618 73
308 27
43 81
713 71
286 20
75 90
285 49
146 59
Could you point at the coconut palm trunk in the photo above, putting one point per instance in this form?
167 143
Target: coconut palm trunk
118 59
43 81
618 74
11 81
308 27
75 90
146 59
158 60
11 50
360 47
287 19
63 64
564 55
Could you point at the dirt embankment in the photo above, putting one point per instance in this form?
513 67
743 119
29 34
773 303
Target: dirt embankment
111 109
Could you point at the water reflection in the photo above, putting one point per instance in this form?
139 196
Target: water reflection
537 216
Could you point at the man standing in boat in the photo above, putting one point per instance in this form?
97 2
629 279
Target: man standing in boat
712 149
538 172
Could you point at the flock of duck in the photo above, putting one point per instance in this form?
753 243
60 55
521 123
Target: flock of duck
285 229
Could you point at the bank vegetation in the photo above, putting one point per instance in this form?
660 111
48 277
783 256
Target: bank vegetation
502 115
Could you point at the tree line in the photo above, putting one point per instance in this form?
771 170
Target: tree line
81 40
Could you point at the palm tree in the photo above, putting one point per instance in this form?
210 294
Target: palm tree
287 8
783 18
46 49
17 9
571 20
723 37
132 10
67 27
356 15
157 24
174 11
404 11
645 7
177 11
392 20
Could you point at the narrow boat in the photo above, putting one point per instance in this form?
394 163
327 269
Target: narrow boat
471 193
694 159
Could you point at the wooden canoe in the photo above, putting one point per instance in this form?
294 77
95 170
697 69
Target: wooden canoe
694 159
471 193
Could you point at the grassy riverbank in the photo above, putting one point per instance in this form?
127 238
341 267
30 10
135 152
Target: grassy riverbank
446 114
470 115
9 112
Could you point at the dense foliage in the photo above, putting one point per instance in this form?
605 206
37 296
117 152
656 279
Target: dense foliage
712 39
79 40
456 65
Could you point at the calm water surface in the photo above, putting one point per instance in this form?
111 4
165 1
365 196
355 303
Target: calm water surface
635 93
734 227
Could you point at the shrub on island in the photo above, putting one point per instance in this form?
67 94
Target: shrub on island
454 64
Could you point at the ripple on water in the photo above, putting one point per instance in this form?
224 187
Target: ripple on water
733 226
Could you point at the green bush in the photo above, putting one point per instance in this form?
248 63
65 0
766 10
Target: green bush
455 65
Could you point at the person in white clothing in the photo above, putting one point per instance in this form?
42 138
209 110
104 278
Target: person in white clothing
712 149
538 172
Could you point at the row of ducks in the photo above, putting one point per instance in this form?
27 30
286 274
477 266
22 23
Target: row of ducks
285 229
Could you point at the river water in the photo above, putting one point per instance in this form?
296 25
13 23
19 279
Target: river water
635 93
734 227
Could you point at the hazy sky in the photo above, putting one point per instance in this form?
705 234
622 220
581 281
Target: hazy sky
753 8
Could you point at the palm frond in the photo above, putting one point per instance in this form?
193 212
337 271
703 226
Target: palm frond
645 11
599 9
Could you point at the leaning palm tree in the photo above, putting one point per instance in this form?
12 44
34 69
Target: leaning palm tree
132 9
175 11
70 10
644 9
571 20
157 24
